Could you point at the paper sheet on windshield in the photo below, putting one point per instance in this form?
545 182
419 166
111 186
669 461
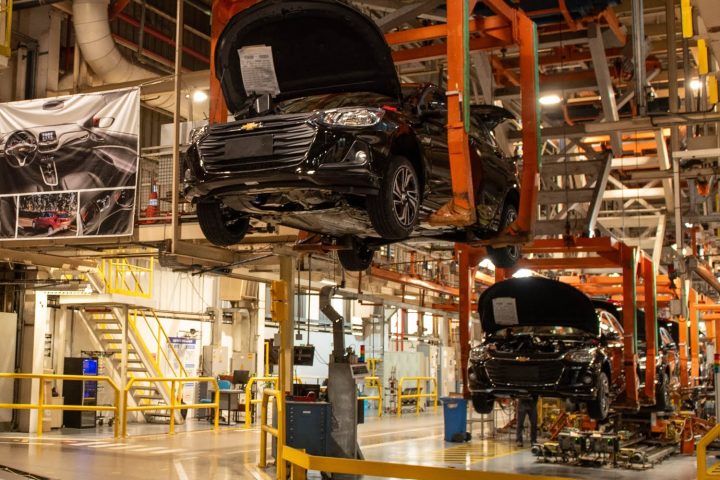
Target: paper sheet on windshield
505 311
258 70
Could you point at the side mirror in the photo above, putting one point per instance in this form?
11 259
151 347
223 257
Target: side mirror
105 122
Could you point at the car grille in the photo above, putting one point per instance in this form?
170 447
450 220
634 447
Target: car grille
291 137
523 373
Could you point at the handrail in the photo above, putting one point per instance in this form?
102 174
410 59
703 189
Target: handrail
252 401
702 469
162 334
115 273
419 393
174 381
373 382
41 406
153 359
301 462
278 432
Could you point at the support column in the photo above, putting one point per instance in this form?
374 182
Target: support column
465 307
648 272
628 256
285 363
694 335
38 354
174 218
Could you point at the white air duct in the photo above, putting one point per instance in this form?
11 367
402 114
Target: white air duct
92 30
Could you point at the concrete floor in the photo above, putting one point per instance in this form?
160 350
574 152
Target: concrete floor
198 453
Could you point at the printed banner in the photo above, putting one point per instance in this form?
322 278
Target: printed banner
68 165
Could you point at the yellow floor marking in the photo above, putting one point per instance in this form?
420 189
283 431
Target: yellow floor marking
467 454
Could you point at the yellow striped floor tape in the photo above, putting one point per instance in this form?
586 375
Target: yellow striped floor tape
465 454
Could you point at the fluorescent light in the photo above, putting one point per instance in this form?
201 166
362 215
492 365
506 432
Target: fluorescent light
696 84
487 263
410 297
327 281
550 99
688 225
199 96
523 273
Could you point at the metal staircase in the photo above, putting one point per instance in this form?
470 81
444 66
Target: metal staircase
105 324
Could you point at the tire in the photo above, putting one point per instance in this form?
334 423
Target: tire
506 257
221 225
394 210
599 408
358 258
482 403
662 393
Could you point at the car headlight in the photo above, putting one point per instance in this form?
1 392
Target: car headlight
480 354
196 134
579 356
350 117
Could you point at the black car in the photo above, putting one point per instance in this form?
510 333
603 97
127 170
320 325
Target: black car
326 140
545 338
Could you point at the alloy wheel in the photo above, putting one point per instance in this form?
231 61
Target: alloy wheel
405 195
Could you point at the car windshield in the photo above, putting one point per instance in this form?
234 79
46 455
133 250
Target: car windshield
541 330
334 100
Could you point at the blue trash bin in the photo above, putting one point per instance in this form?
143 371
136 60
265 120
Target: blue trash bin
455 417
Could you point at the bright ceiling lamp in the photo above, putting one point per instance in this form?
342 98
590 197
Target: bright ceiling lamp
695 84
550 99
523 273
199 96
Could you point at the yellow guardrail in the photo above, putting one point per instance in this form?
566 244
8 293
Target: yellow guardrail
249 400
703 472
278 432
174 405
417 396
125 277
301 462
373 382
41 406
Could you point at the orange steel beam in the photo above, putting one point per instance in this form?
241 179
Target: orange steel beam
618 289
628 256
464 310
566 263
572 244
650 303
694 336
405 279
682 347
604 280
495 26
433 52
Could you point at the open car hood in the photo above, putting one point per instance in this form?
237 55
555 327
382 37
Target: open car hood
318 47
491 115
536 301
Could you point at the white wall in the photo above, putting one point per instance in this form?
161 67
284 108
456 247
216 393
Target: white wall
183 292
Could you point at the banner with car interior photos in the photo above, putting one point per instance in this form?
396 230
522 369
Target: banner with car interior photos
69 165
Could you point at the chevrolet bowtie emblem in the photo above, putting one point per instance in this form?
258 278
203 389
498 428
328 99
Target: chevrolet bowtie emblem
522 359
250 126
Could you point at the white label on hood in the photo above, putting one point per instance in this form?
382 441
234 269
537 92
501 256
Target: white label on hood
258 70
505 311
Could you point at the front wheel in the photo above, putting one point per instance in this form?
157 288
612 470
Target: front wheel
221 225
358 258
482 403
599 407
506 257
394 210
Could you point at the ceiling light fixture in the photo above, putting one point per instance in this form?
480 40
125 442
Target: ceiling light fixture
550 99
327 281
199 96
695 84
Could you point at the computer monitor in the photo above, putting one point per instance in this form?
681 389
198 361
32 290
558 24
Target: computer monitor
241 377
304 389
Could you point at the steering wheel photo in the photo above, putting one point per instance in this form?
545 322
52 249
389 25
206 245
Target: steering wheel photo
21 148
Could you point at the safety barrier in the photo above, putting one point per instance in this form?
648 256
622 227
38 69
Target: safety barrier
41 406
374 382
174 405
301 462
418 395
278 433
249 400
131 277
703 472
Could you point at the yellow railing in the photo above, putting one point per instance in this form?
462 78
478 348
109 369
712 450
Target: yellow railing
418 395
278 432
702 470
41 406
174 405
249 400
301 462
126 277
158 333
5 46
373 382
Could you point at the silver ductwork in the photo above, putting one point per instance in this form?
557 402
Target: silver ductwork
92 30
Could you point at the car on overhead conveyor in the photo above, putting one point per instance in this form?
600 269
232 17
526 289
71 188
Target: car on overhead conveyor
326 140
545 338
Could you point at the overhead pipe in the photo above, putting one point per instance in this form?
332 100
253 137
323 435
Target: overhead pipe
26 4
638 41
92 30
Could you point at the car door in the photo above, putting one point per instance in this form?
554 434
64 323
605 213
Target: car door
489 160
612 332
431 131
